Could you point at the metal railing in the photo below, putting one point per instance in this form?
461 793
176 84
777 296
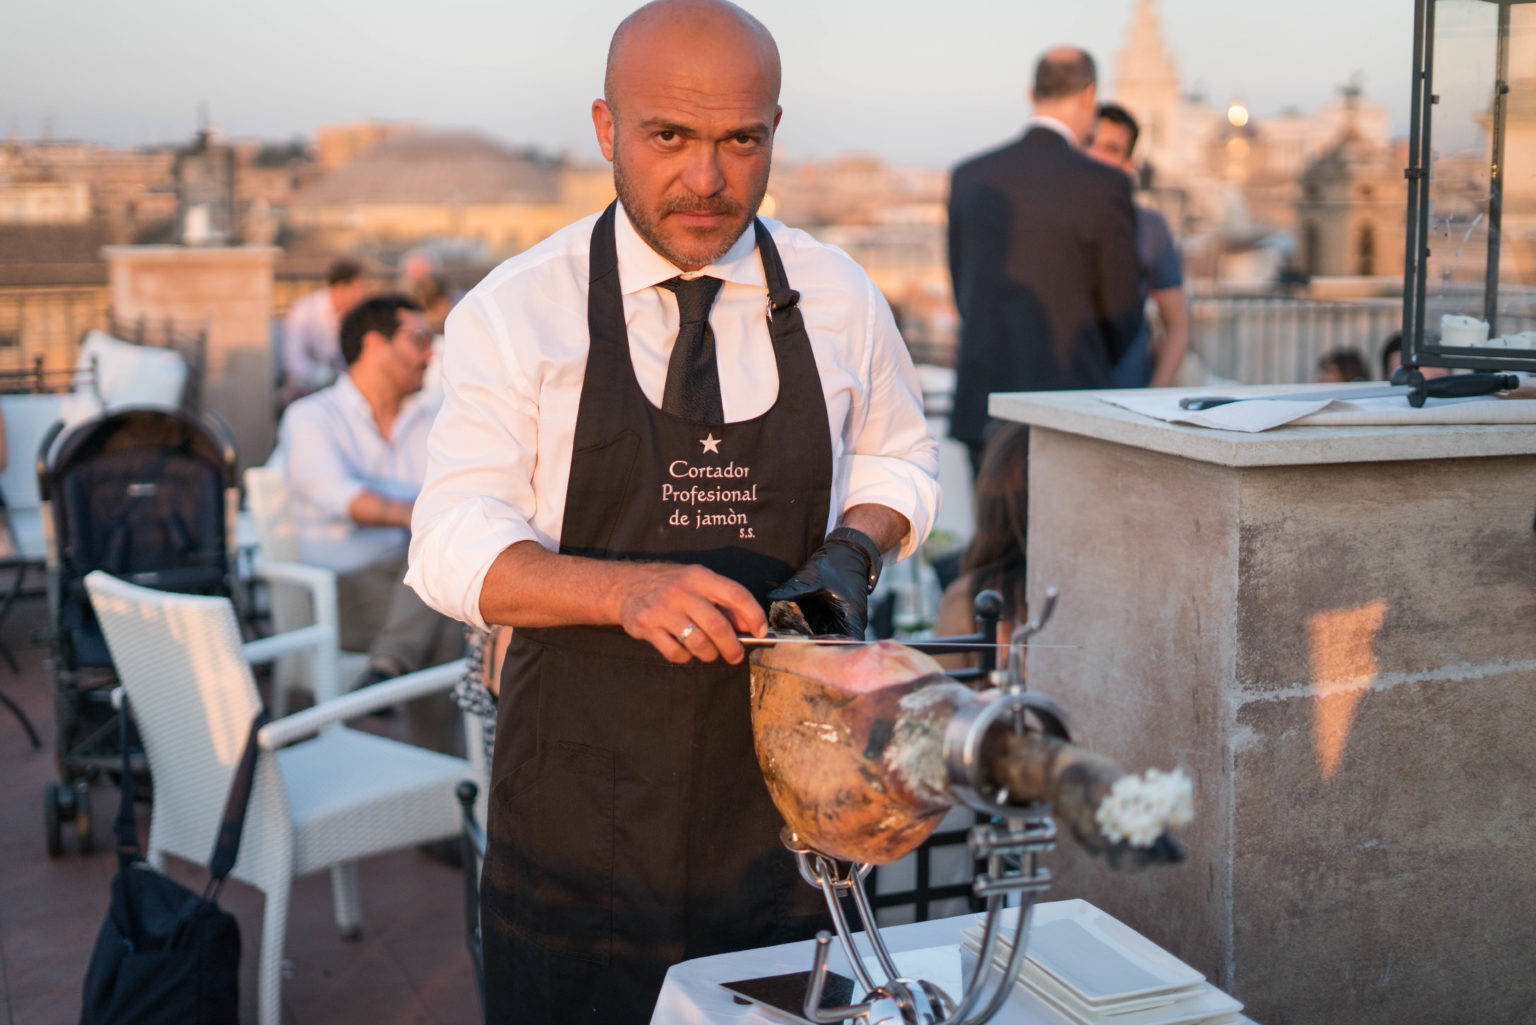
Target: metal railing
1260 339
190 342
1249 339
48 324
1279 340
42 329
40 380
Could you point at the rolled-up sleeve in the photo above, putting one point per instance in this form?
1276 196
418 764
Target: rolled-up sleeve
893 459
478 497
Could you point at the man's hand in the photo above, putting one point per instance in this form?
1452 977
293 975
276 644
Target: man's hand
689 612
832 589
656 602
371 509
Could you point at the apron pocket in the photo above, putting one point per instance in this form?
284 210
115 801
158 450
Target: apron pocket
601 489
549 871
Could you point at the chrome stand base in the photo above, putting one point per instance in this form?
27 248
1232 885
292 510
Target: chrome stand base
1010 844
1010 847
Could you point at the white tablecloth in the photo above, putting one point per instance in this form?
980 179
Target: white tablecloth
692 995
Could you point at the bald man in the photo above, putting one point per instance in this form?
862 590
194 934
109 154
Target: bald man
1042 253
654 423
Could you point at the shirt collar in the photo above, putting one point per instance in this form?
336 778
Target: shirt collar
1055 125
641 267
348 392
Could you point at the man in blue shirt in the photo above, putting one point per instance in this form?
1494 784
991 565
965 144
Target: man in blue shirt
1112 142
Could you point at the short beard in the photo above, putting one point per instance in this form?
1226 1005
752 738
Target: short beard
647 227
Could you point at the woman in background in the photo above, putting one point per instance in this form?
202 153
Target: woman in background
995 558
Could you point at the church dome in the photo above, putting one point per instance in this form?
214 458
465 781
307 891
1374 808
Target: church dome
430 167
1352 156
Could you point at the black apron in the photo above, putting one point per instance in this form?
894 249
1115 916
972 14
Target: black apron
629 825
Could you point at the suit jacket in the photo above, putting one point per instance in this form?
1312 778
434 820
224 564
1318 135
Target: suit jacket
1042 252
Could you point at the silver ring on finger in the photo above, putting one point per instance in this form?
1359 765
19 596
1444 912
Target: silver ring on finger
686 632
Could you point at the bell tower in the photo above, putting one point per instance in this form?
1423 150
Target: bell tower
1147 84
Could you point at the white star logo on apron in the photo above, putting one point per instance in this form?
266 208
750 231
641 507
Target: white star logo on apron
710 443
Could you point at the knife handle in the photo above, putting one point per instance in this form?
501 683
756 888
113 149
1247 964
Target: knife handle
1461 386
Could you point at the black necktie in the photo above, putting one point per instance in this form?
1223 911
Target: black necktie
693 384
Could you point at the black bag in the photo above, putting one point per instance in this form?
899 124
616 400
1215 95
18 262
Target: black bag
167 955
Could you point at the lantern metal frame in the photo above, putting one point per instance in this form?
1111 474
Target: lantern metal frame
1417 349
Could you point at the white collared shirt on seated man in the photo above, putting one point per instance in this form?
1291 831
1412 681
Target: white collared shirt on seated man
332 451
514 363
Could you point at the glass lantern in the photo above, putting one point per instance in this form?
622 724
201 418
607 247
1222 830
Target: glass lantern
1469 288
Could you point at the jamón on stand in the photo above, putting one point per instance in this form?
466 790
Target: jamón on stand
850 739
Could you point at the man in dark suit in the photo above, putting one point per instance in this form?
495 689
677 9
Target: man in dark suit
1042 252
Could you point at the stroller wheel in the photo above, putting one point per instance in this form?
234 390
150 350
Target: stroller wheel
83 816
51 819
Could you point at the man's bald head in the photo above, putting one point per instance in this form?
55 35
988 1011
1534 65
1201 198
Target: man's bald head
1066 83
1063 71
691 105
696 23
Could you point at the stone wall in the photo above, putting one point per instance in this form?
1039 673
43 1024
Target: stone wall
1342 657
228 290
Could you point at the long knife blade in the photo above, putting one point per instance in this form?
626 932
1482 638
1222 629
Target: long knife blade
1455 386
1381 391
763 642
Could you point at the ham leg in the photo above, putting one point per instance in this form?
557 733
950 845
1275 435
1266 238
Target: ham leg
850 742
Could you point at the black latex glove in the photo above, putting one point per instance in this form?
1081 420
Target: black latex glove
832 589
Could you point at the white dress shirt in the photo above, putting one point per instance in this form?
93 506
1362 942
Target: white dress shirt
311 341
1056 125
332 451
514 360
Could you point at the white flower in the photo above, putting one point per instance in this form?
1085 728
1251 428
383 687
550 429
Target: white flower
1140 808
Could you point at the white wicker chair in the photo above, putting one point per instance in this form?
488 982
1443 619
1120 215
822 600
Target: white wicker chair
320 803
28 418
300 594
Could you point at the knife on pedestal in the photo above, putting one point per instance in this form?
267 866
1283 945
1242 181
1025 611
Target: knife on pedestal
1456 386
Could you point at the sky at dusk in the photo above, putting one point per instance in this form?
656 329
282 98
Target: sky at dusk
915 82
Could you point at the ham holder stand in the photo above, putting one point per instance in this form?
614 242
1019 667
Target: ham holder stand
1009 844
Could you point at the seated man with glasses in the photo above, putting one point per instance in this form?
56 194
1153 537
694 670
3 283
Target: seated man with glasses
354 455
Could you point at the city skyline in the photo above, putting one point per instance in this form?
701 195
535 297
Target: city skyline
893 79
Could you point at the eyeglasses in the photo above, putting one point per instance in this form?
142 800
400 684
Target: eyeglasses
421 337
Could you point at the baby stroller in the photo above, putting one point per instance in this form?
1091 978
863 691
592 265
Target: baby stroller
146 494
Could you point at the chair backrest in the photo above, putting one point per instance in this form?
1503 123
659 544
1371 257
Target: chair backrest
27 420
290 605
271 506
133 375
190 689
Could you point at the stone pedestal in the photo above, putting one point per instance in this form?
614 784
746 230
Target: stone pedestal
228 290
1331 629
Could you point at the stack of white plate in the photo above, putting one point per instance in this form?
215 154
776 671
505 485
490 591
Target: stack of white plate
1096 970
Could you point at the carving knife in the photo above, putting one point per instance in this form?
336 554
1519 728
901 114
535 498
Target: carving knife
1456 386
763 642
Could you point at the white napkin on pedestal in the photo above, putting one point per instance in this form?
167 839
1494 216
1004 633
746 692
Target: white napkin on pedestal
1250 417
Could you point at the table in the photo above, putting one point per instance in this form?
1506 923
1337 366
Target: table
692 995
